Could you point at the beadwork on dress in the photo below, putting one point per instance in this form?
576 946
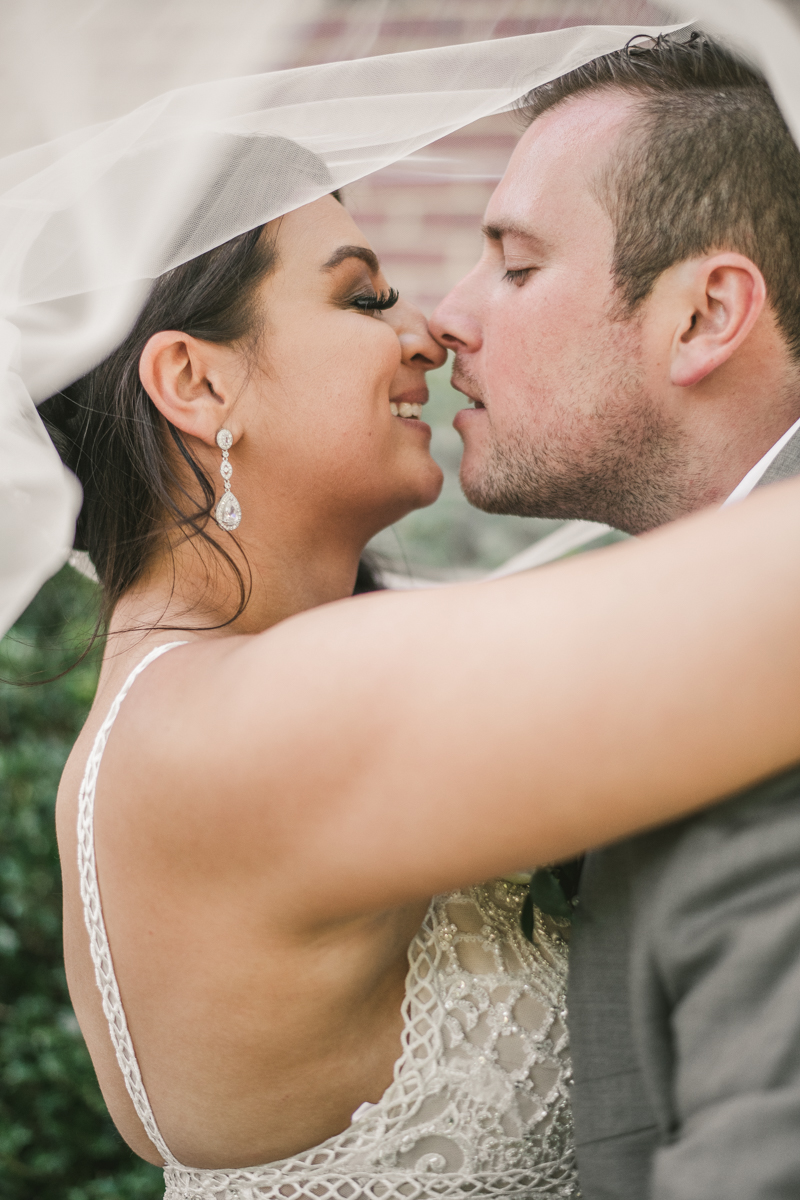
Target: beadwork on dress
479 1103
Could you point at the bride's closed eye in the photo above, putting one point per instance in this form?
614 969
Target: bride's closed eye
375 301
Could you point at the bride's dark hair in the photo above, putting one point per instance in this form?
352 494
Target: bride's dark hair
111 435
113 438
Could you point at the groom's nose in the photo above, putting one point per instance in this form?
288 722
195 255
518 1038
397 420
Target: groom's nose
455 322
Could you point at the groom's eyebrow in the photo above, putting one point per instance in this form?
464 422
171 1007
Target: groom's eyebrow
344 252
496 233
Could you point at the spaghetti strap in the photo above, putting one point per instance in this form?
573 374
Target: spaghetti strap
95 924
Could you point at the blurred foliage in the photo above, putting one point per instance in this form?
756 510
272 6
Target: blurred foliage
57 1141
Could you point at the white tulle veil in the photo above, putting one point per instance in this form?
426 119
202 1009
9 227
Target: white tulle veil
141 133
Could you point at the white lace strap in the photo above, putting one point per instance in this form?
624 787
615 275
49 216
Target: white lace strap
95 925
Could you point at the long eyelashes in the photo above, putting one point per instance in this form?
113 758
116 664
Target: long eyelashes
376 301
518 277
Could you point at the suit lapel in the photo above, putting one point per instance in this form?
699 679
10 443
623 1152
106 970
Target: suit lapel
785 465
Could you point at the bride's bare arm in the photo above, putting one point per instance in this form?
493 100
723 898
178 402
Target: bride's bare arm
397 745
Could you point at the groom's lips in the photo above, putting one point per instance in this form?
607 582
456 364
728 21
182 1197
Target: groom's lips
464 416
472 399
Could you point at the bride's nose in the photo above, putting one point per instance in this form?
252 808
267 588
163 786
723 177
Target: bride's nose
417 345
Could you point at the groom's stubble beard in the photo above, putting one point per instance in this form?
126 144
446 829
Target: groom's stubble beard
616 459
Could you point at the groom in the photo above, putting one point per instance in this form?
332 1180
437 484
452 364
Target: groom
630 342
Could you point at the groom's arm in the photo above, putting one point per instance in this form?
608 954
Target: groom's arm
726 946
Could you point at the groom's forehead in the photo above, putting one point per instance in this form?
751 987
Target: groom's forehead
556 163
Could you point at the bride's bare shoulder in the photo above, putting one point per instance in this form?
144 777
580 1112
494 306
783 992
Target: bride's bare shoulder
167 758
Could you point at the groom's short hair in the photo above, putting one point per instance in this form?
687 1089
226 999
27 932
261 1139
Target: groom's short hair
708 163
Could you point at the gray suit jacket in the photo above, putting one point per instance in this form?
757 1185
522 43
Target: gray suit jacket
684 1001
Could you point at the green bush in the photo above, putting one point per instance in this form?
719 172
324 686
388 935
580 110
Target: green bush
57 1141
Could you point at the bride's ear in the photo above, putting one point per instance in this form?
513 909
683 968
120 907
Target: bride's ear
183 376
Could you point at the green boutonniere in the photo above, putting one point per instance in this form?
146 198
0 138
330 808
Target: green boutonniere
554 891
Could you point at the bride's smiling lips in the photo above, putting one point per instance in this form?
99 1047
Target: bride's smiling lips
406 407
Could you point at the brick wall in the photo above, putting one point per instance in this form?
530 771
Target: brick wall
427 229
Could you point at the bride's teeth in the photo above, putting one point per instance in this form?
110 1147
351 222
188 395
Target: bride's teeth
404 409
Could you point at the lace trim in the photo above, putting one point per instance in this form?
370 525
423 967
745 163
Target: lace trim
527 1183
479 1106
95 924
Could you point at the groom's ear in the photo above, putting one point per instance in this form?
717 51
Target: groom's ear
720 298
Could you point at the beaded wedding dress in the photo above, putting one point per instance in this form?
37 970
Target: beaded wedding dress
479 1104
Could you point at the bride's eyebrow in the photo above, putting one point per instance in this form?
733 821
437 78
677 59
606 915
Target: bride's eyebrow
344 252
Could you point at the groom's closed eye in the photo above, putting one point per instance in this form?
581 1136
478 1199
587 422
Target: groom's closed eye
518 275
515 242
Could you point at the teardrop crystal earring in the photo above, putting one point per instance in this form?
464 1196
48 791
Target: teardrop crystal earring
228 512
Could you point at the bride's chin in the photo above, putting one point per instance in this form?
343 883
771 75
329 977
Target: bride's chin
430 485
421 492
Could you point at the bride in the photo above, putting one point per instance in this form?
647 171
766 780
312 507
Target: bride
264 799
